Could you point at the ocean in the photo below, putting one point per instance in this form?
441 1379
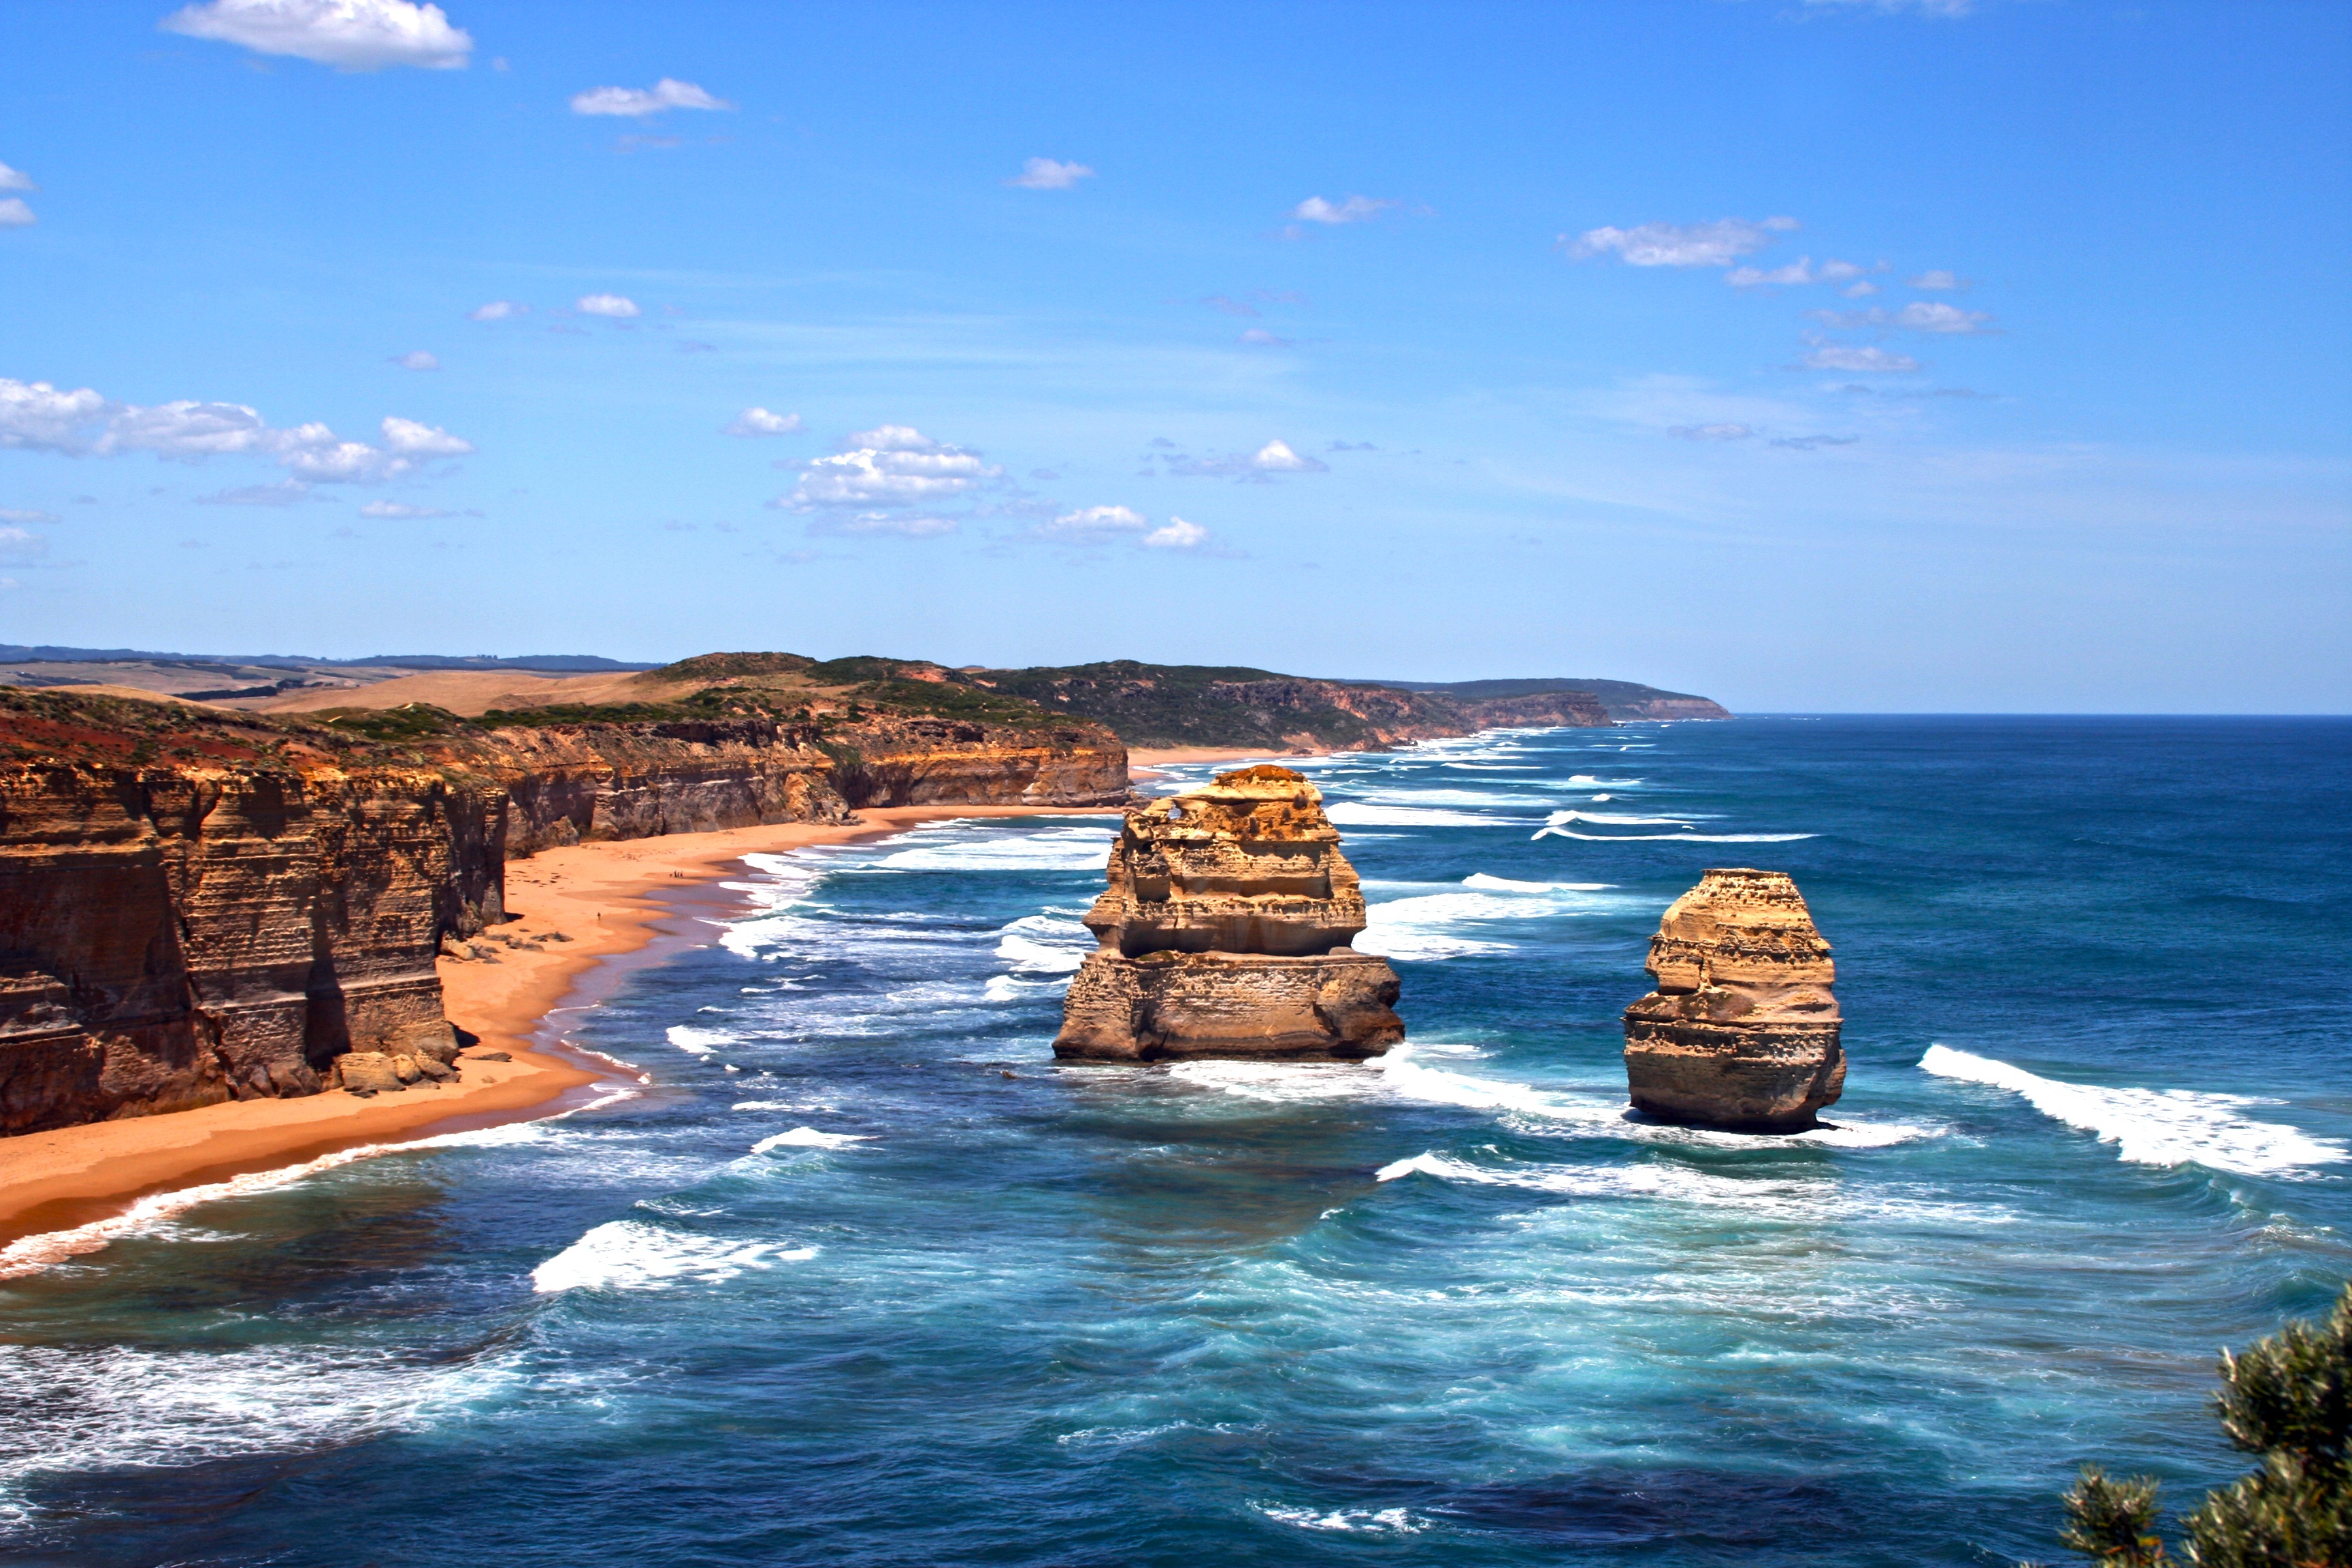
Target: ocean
838 1266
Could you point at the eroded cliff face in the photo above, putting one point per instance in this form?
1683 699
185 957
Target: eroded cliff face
1742 1031
1561 710
172 937
198 905
1224 931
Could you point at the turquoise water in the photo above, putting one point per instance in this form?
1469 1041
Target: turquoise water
856 1275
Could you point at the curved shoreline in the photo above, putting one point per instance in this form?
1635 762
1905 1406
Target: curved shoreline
604 896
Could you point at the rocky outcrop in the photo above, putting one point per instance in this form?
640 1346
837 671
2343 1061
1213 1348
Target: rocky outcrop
1224 931
1742 1031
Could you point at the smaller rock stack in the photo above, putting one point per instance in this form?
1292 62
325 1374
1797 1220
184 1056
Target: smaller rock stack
1742 1032
1224 932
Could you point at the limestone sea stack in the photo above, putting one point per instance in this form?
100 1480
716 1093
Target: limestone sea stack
1742 1032
1224 932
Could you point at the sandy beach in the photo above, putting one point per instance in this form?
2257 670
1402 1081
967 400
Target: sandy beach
603 896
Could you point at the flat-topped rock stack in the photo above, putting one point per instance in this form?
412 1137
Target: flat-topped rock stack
1742 1031
1224 931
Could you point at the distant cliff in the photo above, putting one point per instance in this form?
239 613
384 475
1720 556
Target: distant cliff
1619 698
1196 705
198 905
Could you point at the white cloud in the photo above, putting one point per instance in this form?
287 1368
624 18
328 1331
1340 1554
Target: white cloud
497 310
1178 535
1949 9
1712 432
1834 271
401 511
1862 290
24 514
896 465
16 180
1843 356
416 359
350 35
1798 271
15 214
759 422
1258 337
1940 278
1717 243
1355 209
620 307
1095 525
1928 316
1046 174
636 102
886 522
36 417
22 543
284 492
1275 457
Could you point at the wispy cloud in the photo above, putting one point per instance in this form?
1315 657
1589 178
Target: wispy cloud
1800 271
16 212
1049 175
25 514
1919 316
756 421
1950 10
416 359
1275 457
1812 443
887 524
1722 432
284 492
350 35
402 511
1846 356
619 307
1717 243
497 310
1355 209
637 102
16 180
1258 337
1938 279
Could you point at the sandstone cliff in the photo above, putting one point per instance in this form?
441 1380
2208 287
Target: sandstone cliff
197 904
1224 931
1742 1031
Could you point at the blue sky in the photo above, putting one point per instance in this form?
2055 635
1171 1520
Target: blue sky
1852 354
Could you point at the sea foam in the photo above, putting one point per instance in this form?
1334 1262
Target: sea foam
810 1138
631 1255
2155 1127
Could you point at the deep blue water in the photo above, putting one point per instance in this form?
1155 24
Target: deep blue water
860 1276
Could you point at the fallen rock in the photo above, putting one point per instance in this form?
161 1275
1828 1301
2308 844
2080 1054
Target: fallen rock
1224 931
490 1057
1742 1031
368 1072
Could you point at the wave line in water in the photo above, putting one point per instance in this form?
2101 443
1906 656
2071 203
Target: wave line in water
31 1254
2155 1127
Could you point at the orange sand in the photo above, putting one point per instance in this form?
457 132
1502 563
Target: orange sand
597 894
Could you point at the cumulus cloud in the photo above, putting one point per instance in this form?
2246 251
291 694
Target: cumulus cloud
1712 432
350 35
894 466
1717 243
758 421
620 307
497 310
1844 356
416 359
1275 457
1048 174
636 102
16 180
1355 209
37 416
1937 278
15 214
1177 535
1096 525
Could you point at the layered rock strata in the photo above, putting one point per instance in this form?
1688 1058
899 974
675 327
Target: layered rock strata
198 905
1224 931
1742 1030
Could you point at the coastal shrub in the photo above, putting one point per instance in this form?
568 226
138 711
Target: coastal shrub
2288 1400
409 722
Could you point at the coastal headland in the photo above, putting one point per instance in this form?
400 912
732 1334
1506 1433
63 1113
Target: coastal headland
211 905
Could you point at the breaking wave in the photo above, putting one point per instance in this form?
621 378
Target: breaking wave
2155 1127
632 1255
810 1138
